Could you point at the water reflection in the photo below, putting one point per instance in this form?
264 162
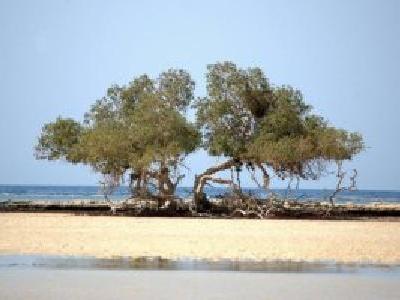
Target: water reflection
159 263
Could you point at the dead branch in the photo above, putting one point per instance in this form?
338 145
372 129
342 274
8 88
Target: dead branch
108 185
289 187
266 177
339 185
252 173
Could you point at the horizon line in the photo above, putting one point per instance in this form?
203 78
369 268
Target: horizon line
277 188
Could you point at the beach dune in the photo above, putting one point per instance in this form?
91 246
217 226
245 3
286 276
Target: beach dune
213 239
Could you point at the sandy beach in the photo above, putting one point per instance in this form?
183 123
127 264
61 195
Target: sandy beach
310 240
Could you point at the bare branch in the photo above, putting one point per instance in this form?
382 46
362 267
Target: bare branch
339 185
108 185
253 176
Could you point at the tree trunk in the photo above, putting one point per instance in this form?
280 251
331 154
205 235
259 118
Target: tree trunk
201 180
135 184
142 189
165 185
266 177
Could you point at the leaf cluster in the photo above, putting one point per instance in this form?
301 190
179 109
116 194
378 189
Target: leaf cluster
246 118
131 127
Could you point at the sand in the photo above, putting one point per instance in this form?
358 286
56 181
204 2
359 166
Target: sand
310 240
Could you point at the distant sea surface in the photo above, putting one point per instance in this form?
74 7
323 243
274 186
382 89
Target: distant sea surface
51 192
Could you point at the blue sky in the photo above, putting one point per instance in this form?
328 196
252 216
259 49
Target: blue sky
57 57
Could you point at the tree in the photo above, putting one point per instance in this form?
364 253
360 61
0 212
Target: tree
139 128
58 140
163 137
250 122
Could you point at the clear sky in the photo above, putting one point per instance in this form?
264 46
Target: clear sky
57 57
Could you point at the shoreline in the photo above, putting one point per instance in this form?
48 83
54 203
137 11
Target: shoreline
208 239
216 208
71 262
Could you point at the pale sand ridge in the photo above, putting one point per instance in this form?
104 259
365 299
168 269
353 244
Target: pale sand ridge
63 234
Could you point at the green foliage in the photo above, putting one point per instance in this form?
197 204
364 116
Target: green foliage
235 99
106 148
134 93
245 118
107 108
58 140
160 133
176 88
290 140
139 127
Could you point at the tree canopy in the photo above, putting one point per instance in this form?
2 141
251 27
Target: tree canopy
249 121
141 129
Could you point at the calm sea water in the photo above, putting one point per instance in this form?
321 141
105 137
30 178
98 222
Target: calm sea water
70 262
36 192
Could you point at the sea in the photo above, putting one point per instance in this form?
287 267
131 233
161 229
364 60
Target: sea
56 193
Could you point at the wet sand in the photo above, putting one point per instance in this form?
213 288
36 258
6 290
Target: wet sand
61 284
309 240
